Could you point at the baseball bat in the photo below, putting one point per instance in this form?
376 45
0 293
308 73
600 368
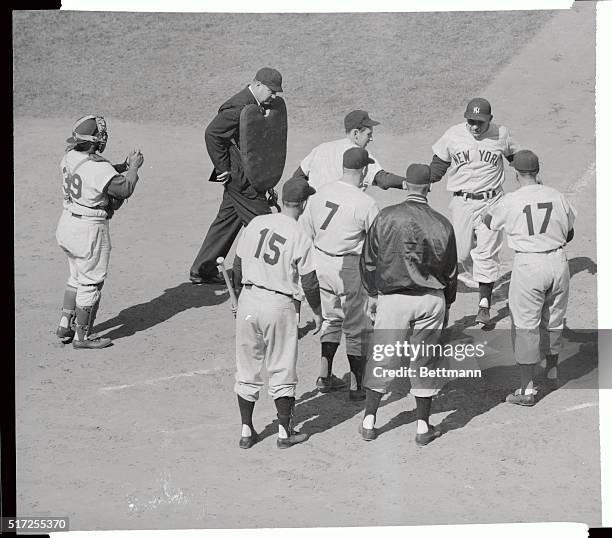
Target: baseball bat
230 288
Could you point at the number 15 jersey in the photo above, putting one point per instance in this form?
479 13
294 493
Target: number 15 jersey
275 251
536 218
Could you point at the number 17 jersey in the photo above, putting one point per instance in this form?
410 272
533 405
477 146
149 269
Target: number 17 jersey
536 218
275 251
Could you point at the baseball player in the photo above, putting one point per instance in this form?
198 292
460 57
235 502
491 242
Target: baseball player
337 218
409 269
324 163
93 189
273 253
470 155
539 222
243 198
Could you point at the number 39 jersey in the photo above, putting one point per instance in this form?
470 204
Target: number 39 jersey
275 251
536 218
84 178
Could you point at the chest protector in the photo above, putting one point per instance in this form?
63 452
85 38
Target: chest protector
263 143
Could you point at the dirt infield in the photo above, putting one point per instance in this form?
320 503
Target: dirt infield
143 435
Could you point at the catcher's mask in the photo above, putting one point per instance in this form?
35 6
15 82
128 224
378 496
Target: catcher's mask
90 129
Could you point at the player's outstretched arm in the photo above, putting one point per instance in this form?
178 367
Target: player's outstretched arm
387 180
438 168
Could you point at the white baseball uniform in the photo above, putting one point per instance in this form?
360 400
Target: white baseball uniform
324 163
83 230
476 168
337 217
275 251
537 220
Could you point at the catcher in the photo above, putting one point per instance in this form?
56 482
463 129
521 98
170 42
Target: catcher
93 190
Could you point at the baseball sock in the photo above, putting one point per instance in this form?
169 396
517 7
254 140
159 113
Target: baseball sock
356 364
526 371
68 306
371 406
328 350
485 290
284 409
423 410
246 416
552 362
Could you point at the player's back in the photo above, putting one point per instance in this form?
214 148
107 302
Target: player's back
536 218
84 178
273 249
338 216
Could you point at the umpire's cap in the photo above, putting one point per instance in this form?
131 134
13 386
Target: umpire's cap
418 174
297 189
271 78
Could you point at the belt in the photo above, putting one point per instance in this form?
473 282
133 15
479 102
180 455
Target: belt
77 216
477 195
336 255
249 286
539 252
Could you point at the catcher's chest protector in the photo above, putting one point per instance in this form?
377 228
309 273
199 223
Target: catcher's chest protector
263 143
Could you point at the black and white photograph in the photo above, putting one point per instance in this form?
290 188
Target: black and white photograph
306 269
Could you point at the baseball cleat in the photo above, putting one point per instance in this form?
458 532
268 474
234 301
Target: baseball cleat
248 442
65 334
483 317
368 434
331 383
357 395
92 343
294 439
521 399
196 279
423 439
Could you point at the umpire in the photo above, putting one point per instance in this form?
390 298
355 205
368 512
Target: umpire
241 201
408 267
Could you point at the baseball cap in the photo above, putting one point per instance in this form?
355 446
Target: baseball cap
297 189
357 119
85 129
478 109
418 174
271 78
356 158
525 161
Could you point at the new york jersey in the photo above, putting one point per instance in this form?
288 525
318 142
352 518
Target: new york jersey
475 165
275 250
324 163
337 217
536 218
84 178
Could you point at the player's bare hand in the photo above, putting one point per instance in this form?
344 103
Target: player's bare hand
372 306
135 159
318 321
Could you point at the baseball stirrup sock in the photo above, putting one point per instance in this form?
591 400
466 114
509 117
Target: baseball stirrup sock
423 409
246 413
356 364
284 410
552 361
372 402
526 371
328 350
485 290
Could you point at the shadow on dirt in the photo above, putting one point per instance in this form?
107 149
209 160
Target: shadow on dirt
502 286
173 301
465 399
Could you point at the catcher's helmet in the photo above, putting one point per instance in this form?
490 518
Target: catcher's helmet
90 129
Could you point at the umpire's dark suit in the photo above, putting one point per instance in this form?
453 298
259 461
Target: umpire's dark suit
241 202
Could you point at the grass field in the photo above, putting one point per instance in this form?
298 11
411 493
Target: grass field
144 433
409 68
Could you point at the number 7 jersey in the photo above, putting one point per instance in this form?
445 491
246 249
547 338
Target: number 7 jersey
536 218
275 251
